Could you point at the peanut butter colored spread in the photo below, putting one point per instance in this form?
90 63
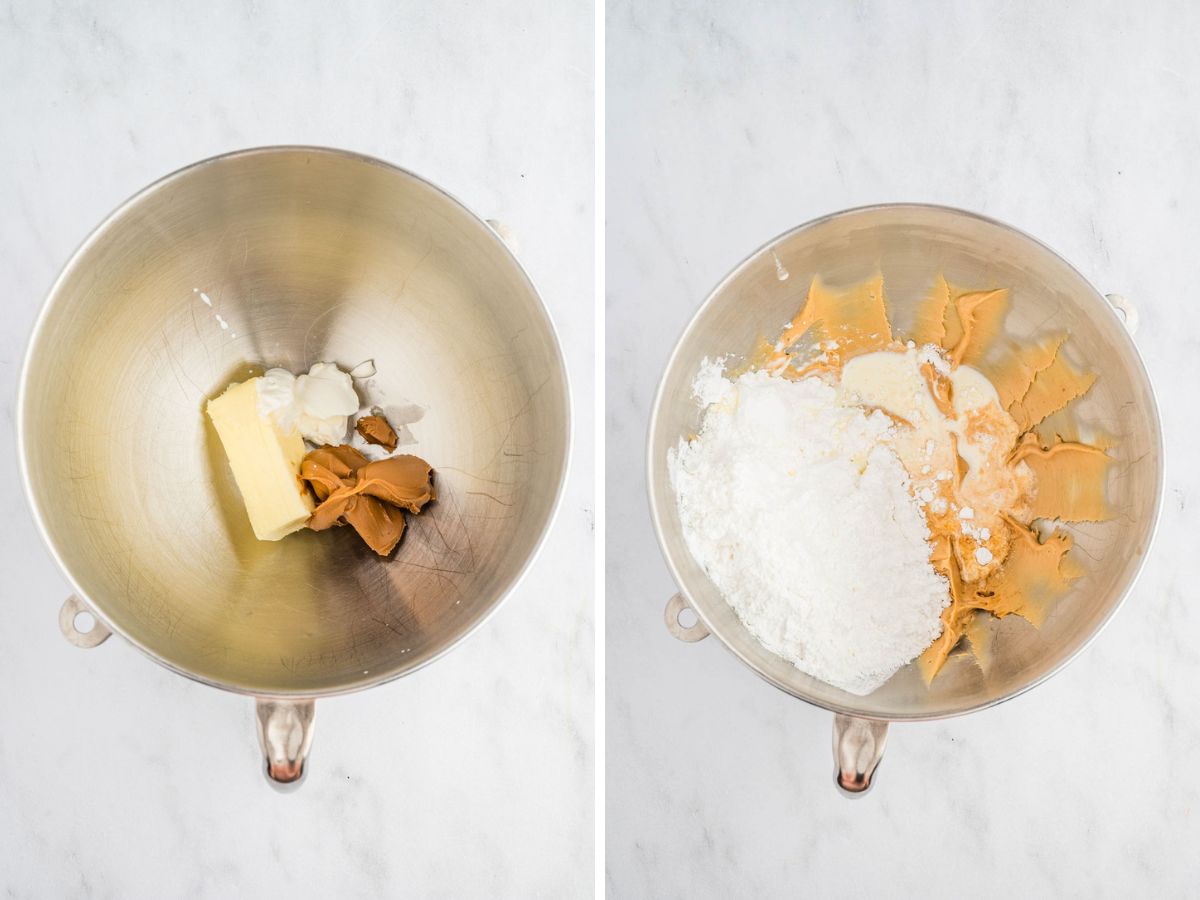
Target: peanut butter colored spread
981 430
376 430
370 497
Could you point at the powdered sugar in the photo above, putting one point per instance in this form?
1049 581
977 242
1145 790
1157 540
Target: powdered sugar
710 384
801 513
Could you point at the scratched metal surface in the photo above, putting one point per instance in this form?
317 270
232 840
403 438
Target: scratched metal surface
288 258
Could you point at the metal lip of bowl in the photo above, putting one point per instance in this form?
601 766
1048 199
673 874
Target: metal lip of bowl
865 711
75 260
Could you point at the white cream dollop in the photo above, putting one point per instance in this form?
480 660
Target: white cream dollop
318 404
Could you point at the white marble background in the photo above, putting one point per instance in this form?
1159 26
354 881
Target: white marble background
472 778
729 123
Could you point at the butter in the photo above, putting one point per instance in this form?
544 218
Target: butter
265 462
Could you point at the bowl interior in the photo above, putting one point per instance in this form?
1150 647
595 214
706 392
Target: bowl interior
288 257
911 245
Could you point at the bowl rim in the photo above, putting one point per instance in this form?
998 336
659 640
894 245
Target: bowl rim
102 228
660 400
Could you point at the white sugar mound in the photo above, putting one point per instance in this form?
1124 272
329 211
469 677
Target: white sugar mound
802 516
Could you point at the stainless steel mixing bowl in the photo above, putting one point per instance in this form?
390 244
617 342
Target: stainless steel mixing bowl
910 244
286 257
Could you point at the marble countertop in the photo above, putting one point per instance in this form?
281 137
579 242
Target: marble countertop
471 778
1075 122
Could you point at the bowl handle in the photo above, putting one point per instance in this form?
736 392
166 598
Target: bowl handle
697 631
858 746
1126 311
285 729
67 615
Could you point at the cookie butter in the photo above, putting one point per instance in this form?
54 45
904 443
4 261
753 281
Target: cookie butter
376 430
368 496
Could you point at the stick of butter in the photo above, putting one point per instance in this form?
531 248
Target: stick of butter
265 462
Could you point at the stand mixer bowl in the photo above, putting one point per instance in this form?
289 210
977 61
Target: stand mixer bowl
910 245
286 257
